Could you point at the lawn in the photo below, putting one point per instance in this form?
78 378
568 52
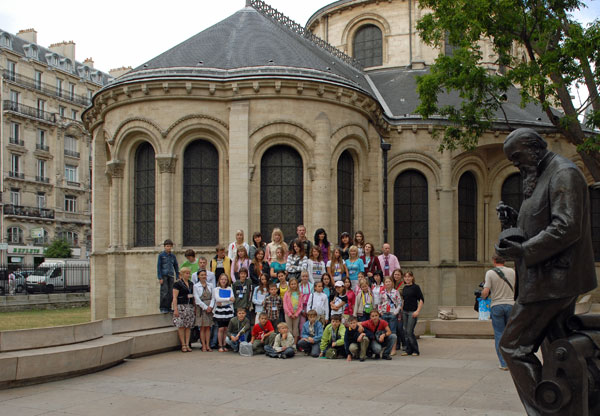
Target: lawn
41 318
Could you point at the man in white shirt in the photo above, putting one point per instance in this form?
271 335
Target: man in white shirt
500 281
210 276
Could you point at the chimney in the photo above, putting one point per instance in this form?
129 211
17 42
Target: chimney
89 62
30 35
66 49
117 72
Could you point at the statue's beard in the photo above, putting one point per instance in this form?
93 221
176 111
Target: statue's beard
530 177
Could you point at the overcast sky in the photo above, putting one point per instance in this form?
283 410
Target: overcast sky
131 32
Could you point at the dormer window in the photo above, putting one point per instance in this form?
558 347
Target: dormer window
5 40
52 59
66 64
31 51
84 71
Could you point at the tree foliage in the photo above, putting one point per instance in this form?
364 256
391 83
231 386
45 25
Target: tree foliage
559 53
58 249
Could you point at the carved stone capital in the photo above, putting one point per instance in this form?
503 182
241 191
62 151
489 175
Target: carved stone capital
115 168
166 163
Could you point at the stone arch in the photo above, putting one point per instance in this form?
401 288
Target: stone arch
361 20
130 130
351 130
430 167
286 128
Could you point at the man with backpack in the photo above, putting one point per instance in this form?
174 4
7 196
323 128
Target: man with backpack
500 281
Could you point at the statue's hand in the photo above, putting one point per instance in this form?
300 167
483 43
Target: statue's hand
510 250
507 215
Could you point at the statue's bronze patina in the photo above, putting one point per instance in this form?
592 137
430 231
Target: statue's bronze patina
550 241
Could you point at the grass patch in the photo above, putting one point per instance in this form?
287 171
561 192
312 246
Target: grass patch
42 318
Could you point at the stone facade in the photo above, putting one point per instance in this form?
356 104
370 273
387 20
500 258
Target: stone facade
46 175
243 117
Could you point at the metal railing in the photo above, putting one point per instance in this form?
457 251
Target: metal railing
42 179
75 184
43 147
29 111
16 175
45 88
58 277
25 211
18 142
71 153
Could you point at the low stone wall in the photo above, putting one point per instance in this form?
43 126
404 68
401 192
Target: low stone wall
44 301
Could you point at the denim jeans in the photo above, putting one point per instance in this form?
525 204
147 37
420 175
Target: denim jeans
313 349
287 353
388 343
500 315
409 332
235 345
392 321
166 293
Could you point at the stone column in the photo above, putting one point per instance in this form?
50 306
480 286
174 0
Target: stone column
321 186
447 238
114 171
238 170
166 167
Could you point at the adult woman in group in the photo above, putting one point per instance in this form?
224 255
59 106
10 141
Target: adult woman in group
322 243
278 264
205 303
411 307
345 243
183 308
257 242
276 242
354 265
370 260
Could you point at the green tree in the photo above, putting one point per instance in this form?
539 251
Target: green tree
559 54
58 249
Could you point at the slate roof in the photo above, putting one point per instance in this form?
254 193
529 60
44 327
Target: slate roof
249 44
81 70
330 6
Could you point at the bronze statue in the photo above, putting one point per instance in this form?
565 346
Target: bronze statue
552 249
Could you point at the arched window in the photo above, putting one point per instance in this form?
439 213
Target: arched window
200 194
467 217
281 191
345 193
144 189
368 46
512 191
15 235
595 220
42 238
411 221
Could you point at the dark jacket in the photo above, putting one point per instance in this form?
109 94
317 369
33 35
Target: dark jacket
558 260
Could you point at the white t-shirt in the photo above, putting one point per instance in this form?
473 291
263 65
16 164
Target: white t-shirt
501 293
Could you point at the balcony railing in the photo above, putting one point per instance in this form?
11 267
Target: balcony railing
43 147
75 184
71 153
45 88
42 179
24 211
16 175
18 142
29 111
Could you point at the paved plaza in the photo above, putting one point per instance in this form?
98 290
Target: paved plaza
451 377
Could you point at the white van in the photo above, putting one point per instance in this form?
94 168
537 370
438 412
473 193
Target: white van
61 275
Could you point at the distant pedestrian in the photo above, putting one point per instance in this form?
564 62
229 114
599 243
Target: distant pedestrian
12 283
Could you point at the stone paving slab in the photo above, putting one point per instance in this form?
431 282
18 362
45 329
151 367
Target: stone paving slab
452 377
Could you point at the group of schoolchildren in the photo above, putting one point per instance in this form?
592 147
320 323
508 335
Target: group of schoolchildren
335 302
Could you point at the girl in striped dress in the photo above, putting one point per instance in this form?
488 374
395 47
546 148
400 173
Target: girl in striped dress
223 312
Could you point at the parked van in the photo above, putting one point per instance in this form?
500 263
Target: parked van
60 275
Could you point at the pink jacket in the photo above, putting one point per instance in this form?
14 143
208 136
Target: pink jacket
287 305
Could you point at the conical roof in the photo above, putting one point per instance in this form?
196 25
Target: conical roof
248 44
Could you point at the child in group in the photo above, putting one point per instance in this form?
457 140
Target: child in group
257 242
351 298
278 264
292 306
319 302
260 293
296 261
332 342
167 273
364 303
272 305
241 261
390 306
277 241
328 287
306 289
221 264
336 267
242 291
283 287
190 261
238 330
377 286
361 278
263 334
339 300
359 242
258 266
283 345
355 340
398 279
370 260
239 242
315 265
223 312
312 332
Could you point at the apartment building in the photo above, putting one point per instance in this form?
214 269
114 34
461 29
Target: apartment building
45 150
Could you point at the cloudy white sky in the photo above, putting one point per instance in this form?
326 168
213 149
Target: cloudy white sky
119 33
